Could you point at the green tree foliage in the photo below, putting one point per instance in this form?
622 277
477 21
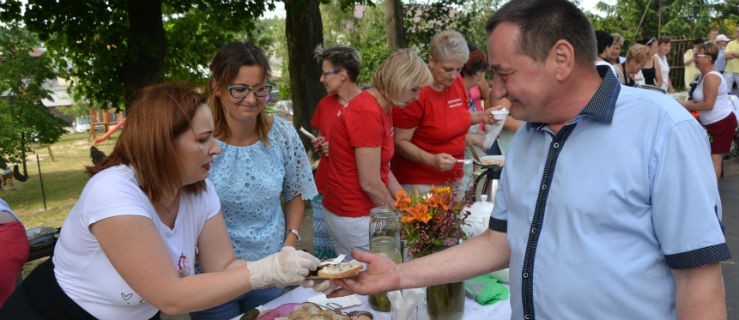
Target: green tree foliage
729 10
481 11
111 48
22 114
363 29
271 37
423 19
639 19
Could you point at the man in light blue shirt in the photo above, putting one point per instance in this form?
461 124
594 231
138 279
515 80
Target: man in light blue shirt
607 208
593 211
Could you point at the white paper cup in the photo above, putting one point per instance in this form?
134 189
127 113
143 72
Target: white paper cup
500 115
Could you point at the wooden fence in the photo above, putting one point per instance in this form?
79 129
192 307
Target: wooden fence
675 59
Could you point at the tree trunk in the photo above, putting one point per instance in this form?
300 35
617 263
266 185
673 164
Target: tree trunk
145 58
394 25
304 31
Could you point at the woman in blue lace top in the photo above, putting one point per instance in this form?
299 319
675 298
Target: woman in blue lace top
262 160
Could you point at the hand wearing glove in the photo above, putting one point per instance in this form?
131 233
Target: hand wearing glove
326 286
285 268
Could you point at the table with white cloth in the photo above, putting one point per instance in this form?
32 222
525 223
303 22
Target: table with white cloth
472 309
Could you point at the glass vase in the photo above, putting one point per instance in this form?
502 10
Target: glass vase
445 301
384 237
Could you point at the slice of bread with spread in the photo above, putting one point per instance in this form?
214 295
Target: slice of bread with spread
340 270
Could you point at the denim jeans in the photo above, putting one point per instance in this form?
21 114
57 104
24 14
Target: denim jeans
239 305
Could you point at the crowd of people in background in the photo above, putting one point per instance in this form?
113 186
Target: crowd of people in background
204 198
646 66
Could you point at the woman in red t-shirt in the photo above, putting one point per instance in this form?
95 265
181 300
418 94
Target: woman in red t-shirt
340 67
430 133
15 250
361 148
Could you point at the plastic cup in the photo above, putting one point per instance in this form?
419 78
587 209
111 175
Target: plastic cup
500 115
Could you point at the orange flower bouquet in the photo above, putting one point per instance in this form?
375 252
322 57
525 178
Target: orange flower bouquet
431 221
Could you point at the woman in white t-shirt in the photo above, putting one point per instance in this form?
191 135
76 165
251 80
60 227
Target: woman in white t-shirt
710 98
127 248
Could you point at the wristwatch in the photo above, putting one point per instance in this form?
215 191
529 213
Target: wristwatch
296 233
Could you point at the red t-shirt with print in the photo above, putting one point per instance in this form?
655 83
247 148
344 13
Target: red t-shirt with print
327 111
442 120
363 123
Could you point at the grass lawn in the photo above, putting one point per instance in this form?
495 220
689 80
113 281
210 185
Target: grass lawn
63 177
63 180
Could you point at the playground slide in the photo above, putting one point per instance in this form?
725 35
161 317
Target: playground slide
110 131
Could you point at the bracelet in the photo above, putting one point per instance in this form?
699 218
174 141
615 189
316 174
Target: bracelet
296 233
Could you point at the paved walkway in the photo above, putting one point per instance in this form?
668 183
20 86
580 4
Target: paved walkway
729 189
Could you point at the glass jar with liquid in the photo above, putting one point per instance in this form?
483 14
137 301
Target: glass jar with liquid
384 238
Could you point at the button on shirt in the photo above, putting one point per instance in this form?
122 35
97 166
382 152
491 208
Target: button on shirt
598 214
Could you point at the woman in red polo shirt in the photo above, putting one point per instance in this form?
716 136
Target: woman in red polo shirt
340 67
361 148
430 132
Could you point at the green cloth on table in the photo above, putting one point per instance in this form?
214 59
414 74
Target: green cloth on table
486 289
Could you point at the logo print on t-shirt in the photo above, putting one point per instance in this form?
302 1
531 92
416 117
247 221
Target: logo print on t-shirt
127 297
184 267
457 102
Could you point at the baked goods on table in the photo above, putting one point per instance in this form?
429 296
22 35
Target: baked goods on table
312 311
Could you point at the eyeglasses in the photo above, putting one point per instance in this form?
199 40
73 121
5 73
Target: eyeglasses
325 74
650 41
240 91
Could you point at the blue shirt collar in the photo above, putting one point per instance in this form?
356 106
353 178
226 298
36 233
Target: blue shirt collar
603 103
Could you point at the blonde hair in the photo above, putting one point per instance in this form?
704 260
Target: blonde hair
449 45
638 53
401 71
618 39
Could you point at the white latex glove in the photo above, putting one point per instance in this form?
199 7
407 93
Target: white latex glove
326 285
285 268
